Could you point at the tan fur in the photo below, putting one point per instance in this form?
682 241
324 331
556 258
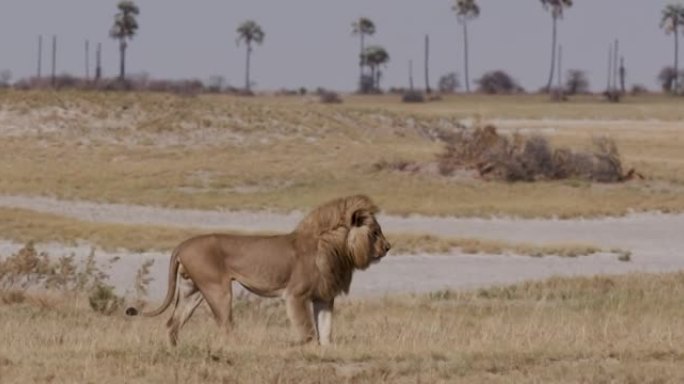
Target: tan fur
311 265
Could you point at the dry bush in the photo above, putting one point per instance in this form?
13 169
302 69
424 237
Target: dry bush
396 165
29 269
519 158
413 97
498 82
328 97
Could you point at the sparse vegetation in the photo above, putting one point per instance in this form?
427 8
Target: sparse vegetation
667 77
124 147
28 270
449 83
577 82
329 97
412 244
519 158
498 82
22 226
413 97
596 329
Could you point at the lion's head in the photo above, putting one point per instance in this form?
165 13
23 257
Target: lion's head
344 235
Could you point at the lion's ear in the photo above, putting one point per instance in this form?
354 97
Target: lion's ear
360 218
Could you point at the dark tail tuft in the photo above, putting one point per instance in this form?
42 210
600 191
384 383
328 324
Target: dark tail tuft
131 311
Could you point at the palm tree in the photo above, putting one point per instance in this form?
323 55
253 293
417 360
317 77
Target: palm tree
557 7
673 18
466 10
375 56
124 28
362 27
250 32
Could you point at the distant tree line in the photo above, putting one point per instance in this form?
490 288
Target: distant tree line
374 58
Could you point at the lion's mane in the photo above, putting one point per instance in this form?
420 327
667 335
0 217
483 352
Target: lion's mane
338 246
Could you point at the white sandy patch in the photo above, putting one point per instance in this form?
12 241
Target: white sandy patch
655 240
394 274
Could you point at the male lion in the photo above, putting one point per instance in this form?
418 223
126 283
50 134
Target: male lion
312 264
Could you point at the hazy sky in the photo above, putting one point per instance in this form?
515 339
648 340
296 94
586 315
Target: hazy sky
309 43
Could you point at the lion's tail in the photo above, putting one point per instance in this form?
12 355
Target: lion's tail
174 264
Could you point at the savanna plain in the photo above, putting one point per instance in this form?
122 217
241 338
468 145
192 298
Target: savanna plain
280 154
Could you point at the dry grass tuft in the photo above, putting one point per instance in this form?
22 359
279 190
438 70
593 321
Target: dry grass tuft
602 329
28 270
412 244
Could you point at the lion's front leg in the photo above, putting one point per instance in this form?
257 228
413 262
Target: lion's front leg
323 311
300 316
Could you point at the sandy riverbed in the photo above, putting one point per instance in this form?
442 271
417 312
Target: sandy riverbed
655 240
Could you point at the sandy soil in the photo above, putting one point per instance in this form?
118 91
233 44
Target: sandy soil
655 240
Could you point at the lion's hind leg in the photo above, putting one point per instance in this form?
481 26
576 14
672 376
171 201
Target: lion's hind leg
220 298
188 298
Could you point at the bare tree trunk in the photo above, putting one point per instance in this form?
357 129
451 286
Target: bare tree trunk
122 57
247 81
40 55
378 75
616 50
675 82
411 75
98 62
87 60
427 64
560 70
623 75
465 55
553 53
362 62
53 78
609 87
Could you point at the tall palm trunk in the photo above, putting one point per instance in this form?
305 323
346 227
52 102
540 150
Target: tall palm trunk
675 82
427 65
553 53
465 54
122 56
373 70
361 62
249 53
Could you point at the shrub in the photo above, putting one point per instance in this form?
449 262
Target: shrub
496 82
329 97
519 158
449 83
102 299
666 78
577 82
613 96
29 269
413 97
638 89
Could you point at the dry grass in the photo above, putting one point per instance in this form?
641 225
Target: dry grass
285 153
24 226
595 330
412 244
